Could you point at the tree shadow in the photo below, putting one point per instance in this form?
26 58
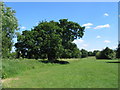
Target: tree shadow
113 62
56 62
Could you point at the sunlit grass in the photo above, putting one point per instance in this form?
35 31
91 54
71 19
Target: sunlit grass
80 73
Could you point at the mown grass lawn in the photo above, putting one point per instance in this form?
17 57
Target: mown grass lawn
80 73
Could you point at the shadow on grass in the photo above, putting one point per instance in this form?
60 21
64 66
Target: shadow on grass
56 61
114 62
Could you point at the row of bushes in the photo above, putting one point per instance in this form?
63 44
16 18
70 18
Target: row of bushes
68 54
106 53
71 54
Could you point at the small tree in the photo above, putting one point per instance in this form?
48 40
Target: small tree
106 53
98 55
9 25
95 52
84 53
90 53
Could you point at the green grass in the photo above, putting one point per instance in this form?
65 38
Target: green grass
80 73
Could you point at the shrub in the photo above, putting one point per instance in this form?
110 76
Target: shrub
95 52
12 55
4 75
90 53
106 53
84 53
98 55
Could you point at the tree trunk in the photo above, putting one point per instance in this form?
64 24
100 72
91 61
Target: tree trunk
18 54
51 58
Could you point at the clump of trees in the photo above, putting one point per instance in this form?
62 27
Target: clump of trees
106 53
84 53
90 53
50 40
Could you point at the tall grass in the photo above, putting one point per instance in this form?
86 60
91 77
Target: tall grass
80 73
12 67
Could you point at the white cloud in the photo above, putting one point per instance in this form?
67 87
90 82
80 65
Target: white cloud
106 14
37 23
78 41
23 27
98 36
102 26
87 25
85 45
107 41
80 44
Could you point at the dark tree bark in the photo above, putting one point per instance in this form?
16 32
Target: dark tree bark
51 57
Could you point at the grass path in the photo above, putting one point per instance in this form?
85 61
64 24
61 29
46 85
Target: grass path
83 73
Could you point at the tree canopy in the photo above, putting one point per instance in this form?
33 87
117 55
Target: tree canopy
106 53
50 40
9 25
84 53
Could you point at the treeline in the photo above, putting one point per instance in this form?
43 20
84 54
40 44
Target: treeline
106 53
48 40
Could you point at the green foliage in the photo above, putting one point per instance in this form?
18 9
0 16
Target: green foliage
9 25
95 52
90 53
66 53
71 52
76 53
71 31
43 40
106 53
98 55
118 52
84 53
12 67
50 39
4 75
12 55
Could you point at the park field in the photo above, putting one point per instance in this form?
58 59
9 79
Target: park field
79 73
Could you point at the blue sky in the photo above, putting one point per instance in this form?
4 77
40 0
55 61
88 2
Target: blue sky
100 19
